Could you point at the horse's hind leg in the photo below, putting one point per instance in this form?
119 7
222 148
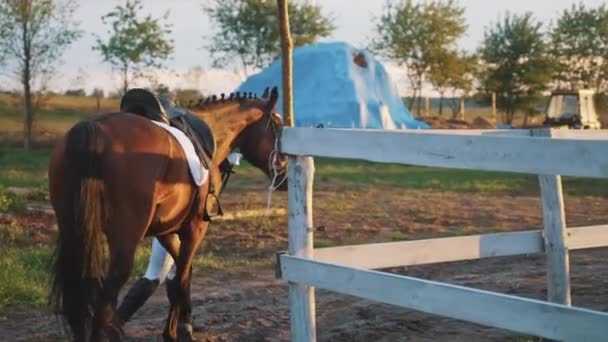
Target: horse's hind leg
179 322
121 264
122 244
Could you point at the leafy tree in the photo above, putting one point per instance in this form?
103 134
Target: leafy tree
185 97
580 45
134 44
416 34
453 73
33 36
75 92
97 92
248 30
161 89
517 65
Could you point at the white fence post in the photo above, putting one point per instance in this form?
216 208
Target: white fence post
301 297
554 222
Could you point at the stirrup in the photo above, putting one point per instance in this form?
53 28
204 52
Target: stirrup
219 212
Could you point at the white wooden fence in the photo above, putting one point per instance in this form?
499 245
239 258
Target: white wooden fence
347 269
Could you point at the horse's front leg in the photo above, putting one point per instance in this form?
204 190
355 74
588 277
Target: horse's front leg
179 321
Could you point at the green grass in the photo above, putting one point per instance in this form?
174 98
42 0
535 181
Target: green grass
11 203
398 236
24 274
21 168
232 263
361 173
52 121
25 268
56 116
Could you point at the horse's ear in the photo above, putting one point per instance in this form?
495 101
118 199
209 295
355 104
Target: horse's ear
272 101
265 94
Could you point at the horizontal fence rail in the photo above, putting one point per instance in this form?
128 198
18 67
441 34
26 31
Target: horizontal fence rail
490 152
472 247
492 309
346 269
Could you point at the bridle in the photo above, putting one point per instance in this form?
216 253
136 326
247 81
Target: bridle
278 175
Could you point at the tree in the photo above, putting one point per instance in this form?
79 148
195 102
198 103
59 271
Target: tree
75 92
134 44
186 97
517 65
580 45
33 36
248 30
453 73
415 34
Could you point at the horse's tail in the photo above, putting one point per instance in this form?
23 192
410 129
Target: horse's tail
79 260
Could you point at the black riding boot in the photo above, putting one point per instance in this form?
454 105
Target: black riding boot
135 298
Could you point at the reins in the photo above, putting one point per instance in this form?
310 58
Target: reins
274 185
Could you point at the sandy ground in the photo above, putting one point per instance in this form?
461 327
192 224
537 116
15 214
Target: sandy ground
249 304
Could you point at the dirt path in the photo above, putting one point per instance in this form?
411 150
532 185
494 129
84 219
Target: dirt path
253 307
250 305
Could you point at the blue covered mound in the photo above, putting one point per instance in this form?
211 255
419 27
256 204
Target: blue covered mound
338 86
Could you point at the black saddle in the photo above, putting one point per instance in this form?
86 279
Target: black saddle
144 103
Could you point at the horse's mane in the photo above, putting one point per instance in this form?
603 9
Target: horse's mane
215 100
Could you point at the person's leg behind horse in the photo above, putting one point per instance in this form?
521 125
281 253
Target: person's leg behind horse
160 266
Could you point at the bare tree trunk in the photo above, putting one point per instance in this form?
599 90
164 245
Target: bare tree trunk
526 114
244 64
494 105
461 108
125 78
28 112
419 106
26 76
510 113
410 104
286 47
454 107
98 101
440 104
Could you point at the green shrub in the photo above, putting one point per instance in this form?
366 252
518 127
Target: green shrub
10 202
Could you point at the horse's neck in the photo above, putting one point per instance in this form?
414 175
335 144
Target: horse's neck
227 124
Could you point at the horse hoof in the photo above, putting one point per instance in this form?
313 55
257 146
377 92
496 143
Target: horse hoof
168 338
114 334
185 332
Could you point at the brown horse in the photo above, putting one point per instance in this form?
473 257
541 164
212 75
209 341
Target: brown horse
117 178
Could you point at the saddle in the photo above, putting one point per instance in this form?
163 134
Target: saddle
143 102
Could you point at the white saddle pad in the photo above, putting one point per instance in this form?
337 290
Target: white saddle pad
199 174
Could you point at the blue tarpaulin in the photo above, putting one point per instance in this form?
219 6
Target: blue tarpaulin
338 86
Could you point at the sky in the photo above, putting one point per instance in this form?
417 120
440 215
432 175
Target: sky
81 67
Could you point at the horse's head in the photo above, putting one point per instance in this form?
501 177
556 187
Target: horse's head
259 142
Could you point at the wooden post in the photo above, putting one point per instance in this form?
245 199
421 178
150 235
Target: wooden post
286 47
301 297
554 222
427 106
494 106
301 172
